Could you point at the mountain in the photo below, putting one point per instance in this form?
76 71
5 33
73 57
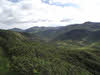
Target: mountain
91 26
16 29
50 33
22 56
67 50
45 33
77 34
39 29
85 31
80 35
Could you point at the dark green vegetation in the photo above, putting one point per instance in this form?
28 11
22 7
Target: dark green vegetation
50 33
70 52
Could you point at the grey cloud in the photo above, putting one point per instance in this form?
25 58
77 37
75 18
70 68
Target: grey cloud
26 6
34 21
66 20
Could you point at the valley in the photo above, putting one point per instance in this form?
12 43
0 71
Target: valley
65 50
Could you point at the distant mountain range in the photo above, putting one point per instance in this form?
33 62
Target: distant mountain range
75 31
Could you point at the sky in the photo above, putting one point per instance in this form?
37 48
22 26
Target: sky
28 13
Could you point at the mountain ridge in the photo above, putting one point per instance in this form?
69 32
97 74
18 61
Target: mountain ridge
50 33
29 57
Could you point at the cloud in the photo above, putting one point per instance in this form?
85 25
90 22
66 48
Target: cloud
14 1
28 13
61 3
66 20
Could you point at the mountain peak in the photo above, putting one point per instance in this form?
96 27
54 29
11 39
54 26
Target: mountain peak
89 22
16 29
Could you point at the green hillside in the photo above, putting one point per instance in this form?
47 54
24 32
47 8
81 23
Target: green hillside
49 33
23 56
80 35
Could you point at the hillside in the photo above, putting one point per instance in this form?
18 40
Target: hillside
81 35
50 33
16 29
28 57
